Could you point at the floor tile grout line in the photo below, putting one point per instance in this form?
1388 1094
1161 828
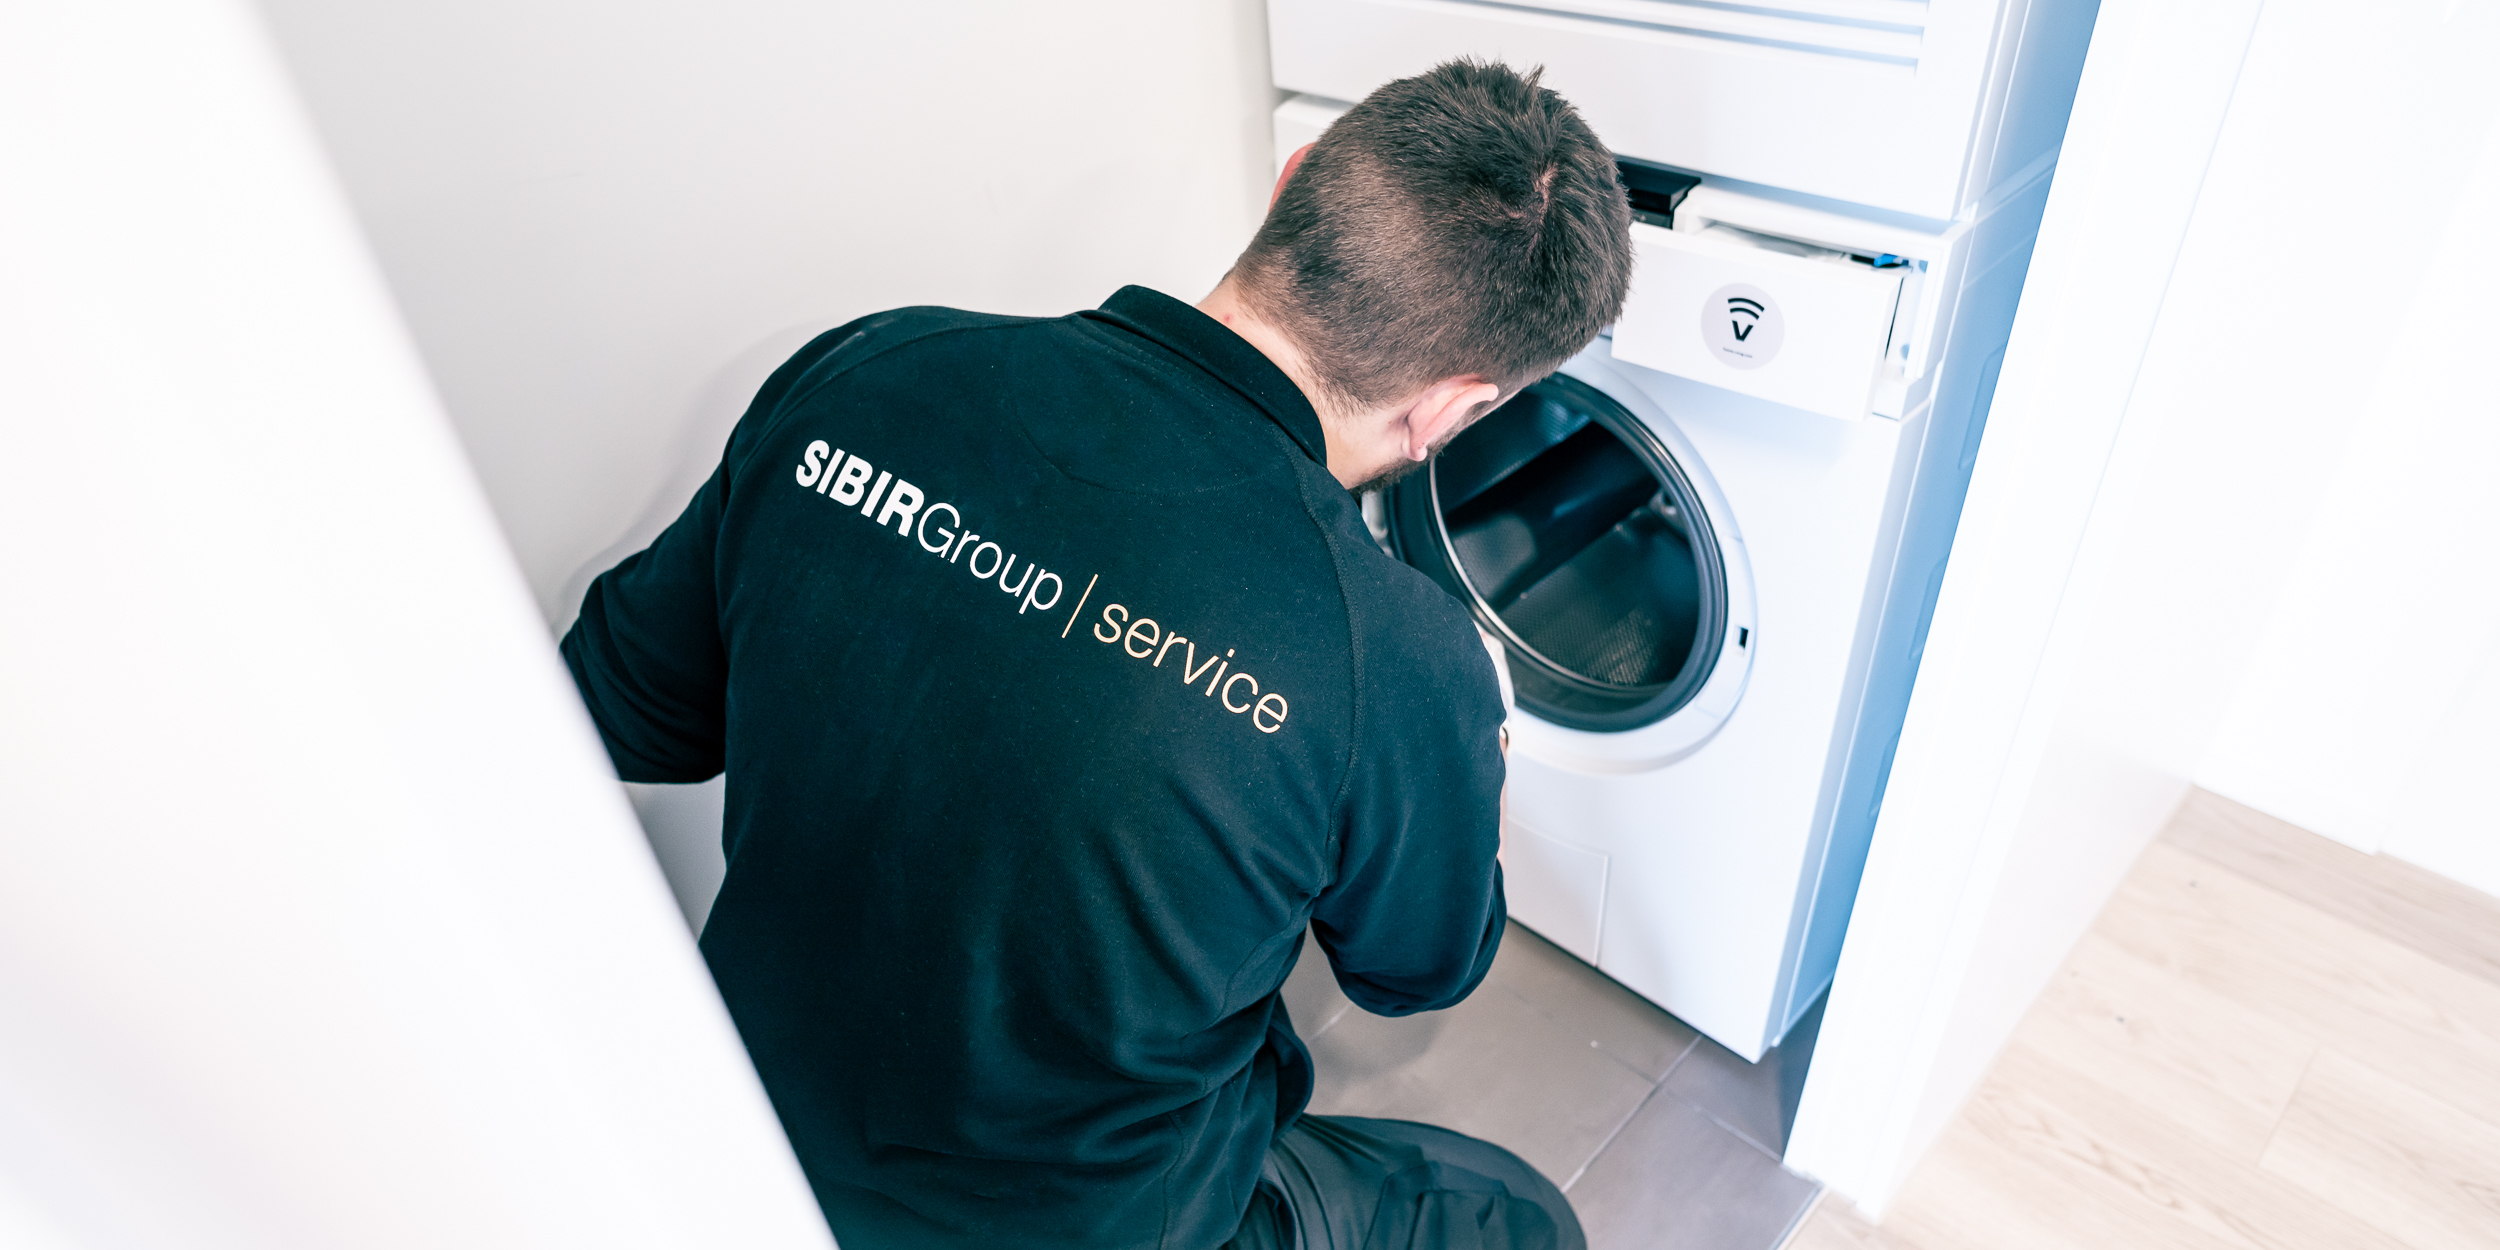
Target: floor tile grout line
1814 1206
1629 1068
1617 988
1797 1222
1678 1061
1599 1045
1608 1144
1731 1130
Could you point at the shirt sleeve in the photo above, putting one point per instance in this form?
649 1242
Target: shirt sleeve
647 656
647 652
1416 913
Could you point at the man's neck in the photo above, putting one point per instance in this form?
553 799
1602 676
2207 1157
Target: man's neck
1225 304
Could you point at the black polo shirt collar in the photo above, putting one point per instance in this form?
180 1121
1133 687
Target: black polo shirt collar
1212 346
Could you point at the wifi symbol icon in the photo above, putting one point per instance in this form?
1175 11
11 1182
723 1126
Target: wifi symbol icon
1744 316
1742 326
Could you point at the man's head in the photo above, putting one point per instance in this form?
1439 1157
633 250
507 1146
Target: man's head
1449 240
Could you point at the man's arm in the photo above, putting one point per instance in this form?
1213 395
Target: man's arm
647 652
647 655
1415 915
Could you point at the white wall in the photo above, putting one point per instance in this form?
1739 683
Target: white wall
2370 708
2156 87
606 222
2187 364
683 824
322 924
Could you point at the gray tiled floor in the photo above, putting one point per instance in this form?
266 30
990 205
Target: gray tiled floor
1663 1139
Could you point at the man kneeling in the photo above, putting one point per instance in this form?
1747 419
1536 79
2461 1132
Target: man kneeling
1062 690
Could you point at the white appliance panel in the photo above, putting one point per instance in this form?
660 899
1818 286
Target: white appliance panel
1708 860
1894 104
1555 888
1704 856
1299 121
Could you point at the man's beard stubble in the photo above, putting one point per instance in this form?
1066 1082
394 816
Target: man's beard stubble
1390 476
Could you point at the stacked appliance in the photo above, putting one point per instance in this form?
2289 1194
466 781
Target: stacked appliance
1711 544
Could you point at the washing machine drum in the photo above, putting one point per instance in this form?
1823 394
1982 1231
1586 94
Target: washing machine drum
1573 535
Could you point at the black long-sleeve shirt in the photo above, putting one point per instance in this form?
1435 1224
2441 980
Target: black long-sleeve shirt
1059 688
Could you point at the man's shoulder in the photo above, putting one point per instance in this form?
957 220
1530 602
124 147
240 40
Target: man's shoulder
1414 636
883 351
880 334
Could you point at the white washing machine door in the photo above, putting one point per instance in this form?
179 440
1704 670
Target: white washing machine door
1583 531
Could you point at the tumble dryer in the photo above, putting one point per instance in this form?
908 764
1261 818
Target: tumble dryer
1709 546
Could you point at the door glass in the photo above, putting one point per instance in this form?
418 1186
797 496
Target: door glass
1568 524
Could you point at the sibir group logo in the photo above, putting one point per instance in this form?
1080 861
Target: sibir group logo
827 470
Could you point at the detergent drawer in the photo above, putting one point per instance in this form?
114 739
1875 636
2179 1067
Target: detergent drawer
1788 322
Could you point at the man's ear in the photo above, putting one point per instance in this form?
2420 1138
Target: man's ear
1443 409
1292 163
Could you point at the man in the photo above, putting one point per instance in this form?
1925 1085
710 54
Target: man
1061 690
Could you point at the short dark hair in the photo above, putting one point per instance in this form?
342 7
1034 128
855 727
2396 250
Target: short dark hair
1463 221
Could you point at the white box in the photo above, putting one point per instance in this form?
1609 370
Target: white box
1715 307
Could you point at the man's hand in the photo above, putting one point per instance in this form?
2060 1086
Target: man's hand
1510 703
1501 677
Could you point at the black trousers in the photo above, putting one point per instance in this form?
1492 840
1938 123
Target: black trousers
1346 1183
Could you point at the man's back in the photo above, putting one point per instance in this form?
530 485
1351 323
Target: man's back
1059 689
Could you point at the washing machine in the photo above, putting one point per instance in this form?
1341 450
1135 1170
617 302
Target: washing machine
1709 547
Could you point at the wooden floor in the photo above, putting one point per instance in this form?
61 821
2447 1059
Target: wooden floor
2268 1040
